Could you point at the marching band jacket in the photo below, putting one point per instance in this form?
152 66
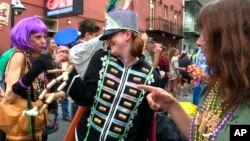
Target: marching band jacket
118 109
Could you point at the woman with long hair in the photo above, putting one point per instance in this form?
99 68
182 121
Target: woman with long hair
225 35
173 54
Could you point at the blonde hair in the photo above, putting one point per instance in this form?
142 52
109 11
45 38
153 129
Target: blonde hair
171 53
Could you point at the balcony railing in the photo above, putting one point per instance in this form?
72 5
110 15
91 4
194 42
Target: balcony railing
164 25
190 27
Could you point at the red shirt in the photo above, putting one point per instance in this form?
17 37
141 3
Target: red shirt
164 65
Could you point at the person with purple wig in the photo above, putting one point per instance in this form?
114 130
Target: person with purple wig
27 29
28 37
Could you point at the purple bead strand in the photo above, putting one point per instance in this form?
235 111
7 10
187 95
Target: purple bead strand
223 123
201 108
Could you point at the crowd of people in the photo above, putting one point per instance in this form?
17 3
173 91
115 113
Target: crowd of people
130 81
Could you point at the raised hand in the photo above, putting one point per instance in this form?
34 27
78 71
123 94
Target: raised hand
144 37
62 54
2 25
158 48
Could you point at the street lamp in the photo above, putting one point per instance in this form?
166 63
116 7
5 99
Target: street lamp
16 9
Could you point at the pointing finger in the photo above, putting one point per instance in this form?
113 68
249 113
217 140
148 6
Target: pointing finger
146 87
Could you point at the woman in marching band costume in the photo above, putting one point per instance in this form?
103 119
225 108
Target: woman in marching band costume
119 110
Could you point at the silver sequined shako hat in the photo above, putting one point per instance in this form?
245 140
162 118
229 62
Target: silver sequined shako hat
118 20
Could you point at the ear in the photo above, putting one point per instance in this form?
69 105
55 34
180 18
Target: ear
87 34
128 34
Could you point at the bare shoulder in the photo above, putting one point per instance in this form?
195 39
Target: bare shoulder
17 60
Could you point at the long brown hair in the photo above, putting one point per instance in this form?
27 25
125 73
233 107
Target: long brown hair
138 44
226 25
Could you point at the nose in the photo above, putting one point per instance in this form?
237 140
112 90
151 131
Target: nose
199 42
43 39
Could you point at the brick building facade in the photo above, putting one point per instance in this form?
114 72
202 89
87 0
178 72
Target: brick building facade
161 19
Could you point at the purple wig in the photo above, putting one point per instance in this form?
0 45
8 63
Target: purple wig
21 32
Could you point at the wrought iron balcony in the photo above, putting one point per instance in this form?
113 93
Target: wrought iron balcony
164 25
190 27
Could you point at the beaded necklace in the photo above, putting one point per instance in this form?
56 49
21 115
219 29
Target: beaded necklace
34 90
38 84
210 119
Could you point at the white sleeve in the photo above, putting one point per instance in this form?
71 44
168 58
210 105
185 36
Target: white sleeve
82 53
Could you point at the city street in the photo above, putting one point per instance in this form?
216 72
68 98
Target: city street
63 125
187 98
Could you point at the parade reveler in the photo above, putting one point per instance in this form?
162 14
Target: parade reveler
29 42
225 35
118 109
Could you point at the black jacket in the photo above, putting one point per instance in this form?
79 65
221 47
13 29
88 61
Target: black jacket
119 111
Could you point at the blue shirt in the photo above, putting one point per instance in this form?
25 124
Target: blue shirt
201 60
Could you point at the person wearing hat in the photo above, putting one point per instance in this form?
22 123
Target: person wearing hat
119 110
66 37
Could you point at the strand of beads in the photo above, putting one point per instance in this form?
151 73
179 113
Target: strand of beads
223 123
197 120
203 114
208 113
37 82
215 124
